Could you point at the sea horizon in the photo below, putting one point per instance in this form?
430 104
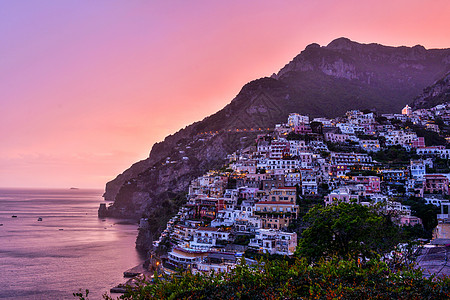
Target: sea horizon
54 244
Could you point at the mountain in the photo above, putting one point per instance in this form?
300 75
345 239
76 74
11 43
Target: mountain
320 81
435 94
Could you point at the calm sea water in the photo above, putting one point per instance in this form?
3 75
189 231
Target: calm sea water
70 248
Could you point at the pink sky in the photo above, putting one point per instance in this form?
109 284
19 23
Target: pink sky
87 87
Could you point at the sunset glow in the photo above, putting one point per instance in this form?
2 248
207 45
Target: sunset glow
87 87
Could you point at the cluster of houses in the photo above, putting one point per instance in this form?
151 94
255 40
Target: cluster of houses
255 200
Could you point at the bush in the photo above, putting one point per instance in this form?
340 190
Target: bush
281 279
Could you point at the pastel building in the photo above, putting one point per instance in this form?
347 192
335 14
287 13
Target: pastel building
407 110
436 184
371 183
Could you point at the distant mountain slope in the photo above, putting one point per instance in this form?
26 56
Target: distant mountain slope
320 81
434 95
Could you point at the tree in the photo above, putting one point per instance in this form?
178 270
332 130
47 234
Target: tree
347 230
431 138
316 127
427 212
438 121
394 154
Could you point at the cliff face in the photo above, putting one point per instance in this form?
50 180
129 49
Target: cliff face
434 95
320 81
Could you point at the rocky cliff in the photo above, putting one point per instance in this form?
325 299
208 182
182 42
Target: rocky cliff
320 81
434 95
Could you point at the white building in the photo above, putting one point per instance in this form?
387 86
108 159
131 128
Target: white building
225 217
306 159
350 128
370 145
376 198
280 164
439 151
206 237
342 194
293 179
309 185
325 122
216 262
436 202
399 137
274 242
347 159
404 210
296 147
295 119
336 137
183 257
417 168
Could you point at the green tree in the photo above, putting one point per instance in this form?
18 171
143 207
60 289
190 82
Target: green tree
427 212
316 127
394 155
431 138
347 230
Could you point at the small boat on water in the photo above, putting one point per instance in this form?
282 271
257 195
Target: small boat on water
13 216
39 219
1 224
61 229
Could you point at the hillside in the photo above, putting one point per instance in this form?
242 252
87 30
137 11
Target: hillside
320 81
435 94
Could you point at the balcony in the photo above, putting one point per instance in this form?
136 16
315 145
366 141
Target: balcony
274 214
204 241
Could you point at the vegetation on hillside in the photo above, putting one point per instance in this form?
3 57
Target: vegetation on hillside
281 279
347 231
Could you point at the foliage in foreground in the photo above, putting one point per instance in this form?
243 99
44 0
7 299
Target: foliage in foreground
348 230
333 279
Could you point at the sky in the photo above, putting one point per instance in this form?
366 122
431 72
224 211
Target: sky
87 87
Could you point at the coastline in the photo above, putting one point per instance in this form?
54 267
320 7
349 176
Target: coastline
134 276
39 261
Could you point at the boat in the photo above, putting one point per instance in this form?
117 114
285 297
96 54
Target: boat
1 224
39 219
61 229
13 216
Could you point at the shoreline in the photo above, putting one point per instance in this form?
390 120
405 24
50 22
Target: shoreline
133 277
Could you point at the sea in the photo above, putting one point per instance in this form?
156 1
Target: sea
70 249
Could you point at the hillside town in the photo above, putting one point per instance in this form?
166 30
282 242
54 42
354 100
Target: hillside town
255 203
